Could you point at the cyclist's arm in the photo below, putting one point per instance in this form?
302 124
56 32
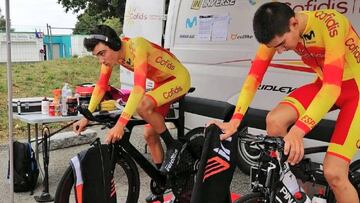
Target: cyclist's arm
252 81
332 79
100 87
139 51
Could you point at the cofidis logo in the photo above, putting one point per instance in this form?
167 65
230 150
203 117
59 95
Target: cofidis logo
344 7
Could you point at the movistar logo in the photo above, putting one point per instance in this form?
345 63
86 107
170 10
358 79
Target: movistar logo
191 22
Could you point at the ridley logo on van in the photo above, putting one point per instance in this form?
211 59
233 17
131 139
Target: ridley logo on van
275 88
172 92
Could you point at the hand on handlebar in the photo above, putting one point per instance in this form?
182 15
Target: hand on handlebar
115 134
228 128
294 145
80 125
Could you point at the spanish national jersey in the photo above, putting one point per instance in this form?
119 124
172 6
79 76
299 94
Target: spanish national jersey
147 61
330 47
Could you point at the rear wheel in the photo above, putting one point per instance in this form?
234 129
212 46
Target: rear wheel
246 155
126 178
183 182
251 198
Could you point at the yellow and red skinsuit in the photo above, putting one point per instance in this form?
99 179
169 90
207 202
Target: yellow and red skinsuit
147 61
332 50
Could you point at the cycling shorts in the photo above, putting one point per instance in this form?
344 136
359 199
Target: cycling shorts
166 92
345 139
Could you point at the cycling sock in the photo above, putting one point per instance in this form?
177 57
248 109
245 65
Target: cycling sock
158 166
166 136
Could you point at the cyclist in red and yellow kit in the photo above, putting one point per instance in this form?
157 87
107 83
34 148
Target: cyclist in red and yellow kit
147 61
325 41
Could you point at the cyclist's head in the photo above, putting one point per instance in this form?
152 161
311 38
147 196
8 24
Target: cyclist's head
102 34
104 44
273 25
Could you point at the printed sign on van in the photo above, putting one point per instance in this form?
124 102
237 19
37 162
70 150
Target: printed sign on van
197 4
144 18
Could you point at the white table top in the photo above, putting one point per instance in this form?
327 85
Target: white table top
37 117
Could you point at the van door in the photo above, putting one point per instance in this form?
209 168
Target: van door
146 19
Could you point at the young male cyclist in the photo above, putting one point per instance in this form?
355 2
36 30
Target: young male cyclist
147 61
325 41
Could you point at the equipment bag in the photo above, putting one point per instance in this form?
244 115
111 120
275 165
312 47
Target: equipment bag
92 169
26 171
216 168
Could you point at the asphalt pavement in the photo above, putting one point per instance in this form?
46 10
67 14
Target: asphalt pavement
59 161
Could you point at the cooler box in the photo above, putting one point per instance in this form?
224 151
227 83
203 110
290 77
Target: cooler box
27 104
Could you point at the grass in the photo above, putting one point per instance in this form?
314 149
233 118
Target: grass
40 78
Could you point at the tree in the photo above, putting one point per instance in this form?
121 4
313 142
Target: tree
101 9
115 24
86 23
2 22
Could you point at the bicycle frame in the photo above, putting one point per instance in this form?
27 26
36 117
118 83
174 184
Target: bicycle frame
125 148
266 176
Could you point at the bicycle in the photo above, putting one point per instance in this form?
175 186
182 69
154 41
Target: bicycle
266 175
180 181
248 155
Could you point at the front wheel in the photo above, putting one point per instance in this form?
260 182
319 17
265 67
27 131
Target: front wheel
246 155
251 198
126 178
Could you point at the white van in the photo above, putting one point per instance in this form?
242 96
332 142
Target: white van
215 41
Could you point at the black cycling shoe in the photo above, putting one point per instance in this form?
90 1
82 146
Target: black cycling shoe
171 157
153 198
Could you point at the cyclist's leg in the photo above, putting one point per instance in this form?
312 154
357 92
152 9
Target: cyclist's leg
288 111
279 119
165 94
336 172
153 139
344 143
153 142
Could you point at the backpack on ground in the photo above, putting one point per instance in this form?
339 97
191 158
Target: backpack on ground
216 168
26 171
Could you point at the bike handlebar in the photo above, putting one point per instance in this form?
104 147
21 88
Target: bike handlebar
102 117
263 139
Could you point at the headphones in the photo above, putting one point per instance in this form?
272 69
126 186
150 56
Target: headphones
113 44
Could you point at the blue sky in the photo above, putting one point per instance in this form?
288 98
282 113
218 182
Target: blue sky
28 15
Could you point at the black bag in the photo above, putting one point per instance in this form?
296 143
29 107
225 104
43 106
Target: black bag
26 171
216 168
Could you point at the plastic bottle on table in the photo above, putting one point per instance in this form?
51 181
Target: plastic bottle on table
45 106
65 93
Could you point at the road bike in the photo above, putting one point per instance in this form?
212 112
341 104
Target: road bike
126 155
266 176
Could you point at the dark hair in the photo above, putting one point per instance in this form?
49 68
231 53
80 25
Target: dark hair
270 20
104 34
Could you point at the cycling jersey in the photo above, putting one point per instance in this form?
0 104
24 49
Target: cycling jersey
331 49
147 61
